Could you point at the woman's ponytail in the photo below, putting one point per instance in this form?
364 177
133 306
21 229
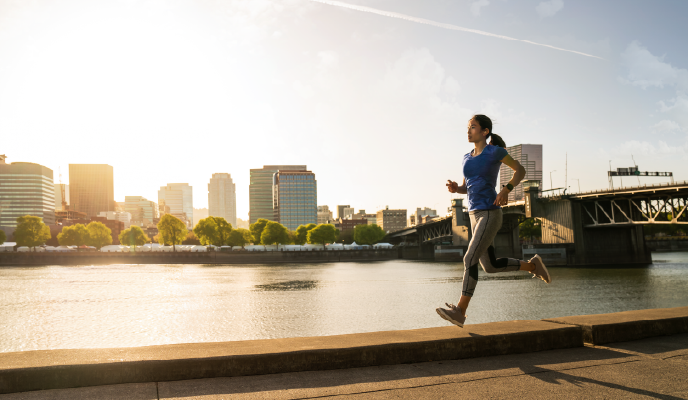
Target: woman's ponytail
497 140
486 123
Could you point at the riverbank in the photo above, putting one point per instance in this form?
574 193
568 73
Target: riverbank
53 369
239 257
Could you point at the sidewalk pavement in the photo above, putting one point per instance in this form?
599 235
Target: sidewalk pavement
649 368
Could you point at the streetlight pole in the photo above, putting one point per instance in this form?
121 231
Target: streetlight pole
550 179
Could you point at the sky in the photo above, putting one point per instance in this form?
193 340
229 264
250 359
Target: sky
372 95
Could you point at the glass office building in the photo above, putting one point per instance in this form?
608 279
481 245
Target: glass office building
260 191
26 189
530 156
295 198
177 199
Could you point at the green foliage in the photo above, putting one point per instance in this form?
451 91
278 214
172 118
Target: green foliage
302 233
3 237
323 234
191 238
239 237
133 236
75 235
256 229
274 233
172 231
31 231
530 229
213 230
346 237
368 234
99 234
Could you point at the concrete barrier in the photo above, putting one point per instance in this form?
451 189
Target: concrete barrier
52 369
629 325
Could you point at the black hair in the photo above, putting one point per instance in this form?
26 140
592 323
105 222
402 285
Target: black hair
486 123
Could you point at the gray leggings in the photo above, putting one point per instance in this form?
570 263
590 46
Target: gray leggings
485 224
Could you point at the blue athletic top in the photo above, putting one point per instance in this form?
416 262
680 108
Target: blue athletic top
481 177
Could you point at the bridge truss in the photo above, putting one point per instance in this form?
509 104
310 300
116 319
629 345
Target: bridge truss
635 210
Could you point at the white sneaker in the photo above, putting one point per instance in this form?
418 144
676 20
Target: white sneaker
540 270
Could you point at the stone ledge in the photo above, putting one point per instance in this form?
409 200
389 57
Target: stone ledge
53 369
629 325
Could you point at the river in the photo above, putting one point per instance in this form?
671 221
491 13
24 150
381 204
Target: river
60 307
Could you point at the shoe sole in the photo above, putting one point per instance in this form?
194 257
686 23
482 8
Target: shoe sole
446 317
549 278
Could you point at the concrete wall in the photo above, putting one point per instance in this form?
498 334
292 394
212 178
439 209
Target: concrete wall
558 222
94 258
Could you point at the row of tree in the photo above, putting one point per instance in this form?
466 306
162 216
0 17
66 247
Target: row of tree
31 232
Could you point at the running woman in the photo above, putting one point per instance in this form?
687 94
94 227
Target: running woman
480 169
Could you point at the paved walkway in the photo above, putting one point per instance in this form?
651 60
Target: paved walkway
650 368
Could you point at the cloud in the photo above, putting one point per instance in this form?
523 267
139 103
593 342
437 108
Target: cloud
647 70
666 126
549 8
644 148
477 5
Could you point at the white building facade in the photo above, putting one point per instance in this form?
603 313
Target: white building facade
222 198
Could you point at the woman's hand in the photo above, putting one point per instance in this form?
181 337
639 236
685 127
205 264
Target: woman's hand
452 186
502 197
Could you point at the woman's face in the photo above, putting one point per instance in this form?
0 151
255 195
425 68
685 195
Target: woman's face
475 132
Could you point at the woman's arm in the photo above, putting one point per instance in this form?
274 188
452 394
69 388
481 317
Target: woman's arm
519 174
454 187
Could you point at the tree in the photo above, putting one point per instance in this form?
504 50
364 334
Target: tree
213 230
274 233
31 231
256 229
191 238
99 234
239 237
323 234
530 228
172 231
368 234
302 233
75 235
133 236
3 237
346 237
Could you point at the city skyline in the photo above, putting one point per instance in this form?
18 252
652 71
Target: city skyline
365 79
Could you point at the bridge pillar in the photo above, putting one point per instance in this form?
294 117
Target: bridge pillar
461 225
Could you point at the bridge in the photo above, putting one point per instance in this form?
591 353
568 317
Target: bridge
592 228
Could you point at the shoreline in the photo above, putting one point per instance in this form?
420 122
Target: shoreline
57 369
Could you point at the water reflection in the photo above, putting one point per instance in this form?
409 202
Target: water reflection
136 305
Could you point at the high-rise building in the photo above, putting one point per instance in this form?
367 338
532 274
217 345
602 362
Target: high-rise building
122 216
26 189
340 210
91 188
177 199
530 156
361 214
222 198
295 196
199 214
324 214
260 191
59 189
143 212
391 220
417 217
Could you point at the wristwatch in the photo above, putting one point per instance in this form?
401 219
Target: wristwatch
510 186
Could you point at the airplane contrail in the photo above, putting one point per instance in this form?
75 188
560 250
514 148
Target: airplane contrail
439 24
